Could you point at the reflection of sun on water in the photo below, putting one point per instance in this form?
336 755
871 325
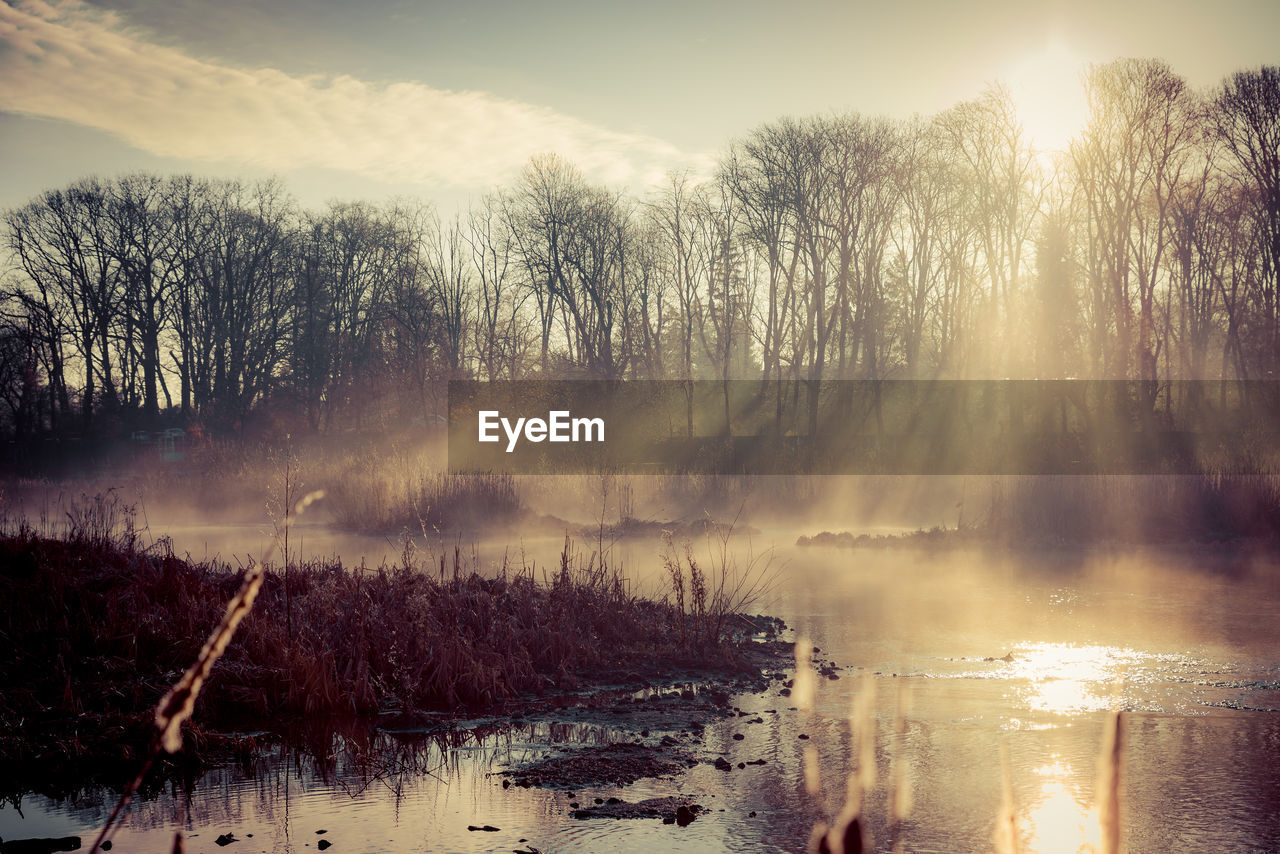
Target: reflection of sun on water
1069 679
1059 821
1058 817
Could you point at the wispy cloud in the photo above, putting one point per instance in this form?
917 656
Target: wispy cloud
68 61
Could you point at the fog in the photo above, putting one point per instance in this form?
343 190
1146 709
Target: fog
975 647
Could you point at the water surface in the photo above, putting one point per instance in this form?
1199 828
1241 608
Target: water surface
1186 642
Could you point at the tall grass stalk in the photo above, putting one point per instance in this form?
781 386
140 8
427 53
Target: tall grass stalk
723 591
1109 792
178 703
806 685
847 834
900 797
1005 836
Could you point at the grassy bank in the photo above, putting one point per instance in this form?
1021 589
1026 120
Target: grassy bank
96 629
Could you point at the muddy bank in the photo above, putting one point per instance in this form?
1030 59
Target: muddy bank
617 764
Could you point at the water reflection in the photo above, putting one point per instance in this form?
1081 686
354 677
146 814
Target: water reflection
1066 679
1059 820
1189 646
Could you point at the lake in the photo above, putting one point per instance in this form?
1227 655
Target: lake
968 653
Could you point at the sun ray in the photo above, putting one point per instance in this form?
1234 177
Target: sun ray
1048 93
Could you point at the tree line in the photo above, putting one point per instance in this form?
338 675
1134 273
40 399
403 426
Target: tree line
831 247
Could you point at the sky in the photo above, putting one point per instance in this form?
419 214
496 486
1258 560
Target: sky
445 101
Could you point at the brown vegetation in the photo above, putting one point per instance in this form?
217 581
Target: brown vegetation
100 629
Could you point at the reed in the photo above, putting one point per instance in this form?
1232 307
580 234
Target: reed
102 628
719 588
1109 791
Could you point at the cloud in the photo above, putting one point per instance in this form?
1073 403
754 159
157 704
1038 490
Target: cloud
68 61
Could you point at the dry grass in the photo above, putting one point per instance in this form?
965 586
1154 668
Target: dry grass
103 629
720 587
372 486
426 501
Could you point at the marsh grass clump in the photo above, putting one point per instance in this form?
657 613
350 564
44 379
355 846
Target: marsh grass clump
98 631
711 593
422 500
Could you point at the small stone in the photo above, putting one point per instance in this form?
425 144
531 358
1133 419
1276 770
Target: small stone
323 844
722 764
737 736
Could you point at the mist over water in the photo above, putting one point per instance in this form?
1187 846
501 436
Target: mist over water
1072 274
974 648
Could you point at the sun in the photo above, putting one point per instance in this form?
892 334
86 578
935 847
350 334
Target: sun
1048 93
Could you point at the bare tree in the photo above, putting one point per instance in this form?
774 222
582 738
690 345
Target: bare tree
1247 121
